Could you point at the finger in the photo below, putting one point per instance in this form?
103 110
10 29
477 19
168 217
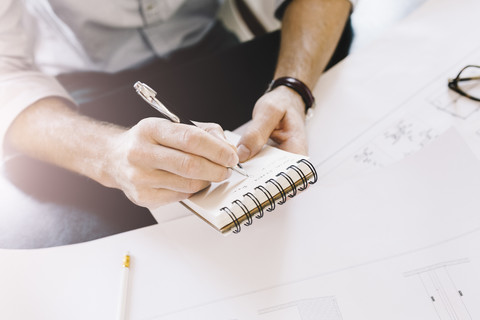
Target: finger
193 140
159 179
212 128
184 164
292 136
258 132
217 131
153 198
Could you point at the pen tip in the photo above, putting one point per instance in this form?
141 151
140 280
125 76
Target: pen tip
238 169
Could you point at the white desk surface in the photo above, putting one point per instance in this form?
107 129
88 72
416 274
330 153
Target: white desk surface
377 246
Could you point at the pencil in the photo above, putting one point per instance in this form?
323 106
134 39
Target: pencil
124 287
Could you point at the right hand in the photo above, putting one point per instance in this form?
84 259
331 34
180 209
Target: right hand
157 162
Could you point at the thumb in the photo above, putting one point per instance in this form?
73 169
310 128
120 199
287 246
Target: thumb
255 137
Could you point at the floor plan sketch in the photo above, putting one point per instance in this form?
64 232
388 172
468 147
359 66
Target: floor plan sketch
456 106
324 308
410 125
444 294
368 156
402 138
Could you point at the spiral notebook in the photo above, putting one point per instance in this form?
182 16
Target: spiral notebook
274 176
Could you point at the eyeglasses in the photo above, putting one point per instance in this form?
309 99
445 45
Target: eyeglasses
463 83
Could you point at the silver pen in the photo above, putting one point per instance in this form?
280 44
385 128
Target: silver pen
149 95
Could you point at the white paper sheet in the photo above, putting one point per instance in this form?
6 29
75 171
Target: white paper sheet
355 250
364 234
374 247
389 99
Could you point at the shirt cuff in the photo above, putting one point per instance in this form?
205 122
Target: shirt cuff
20 90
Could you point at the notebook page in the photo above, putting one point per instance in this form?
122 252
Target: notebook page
266 165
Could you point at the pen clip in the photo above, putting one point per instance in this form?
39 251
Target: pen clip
148 94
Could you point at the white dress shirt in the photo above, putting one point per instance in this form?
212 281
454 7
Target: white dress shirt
42 38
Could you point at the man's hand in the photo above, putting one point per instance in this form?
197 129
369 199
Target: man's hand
280 116
310 32
157 162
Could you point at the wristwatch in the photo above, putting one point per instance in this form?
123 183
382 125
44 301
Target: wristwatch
296 85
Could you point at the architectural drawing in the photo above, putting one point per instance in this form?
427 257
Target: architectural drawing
324 308
455 105
444 294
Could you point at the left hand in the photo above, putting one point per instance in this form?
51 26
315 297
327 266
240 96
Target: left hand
280 116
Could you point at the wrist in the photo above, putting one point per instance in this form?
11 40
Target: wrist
290 99
107 173
300 88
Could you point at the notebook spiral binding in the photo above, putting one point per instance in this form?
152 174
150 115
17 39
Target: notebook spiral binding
290 193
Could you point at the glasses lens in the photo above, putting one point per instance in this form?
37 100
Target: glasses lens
469 81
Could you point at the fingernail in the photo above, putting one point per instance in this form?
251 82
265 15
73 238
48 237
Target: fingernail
243 153
233 160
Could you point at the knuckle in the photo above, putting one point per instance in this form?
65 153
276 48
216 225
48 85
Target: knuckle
188 166
133 153
145 124
221 175
143 199
254 136
129 174
134 185
224 155
134 176
194 186
211 126
188 135
152 127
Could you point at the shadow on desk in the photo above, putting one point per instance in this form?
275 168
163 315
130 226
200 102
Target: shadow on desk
44 206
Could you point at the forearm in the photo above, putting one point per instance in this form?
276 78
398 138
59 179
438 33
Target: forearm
310 33
51 131
311 30
154 163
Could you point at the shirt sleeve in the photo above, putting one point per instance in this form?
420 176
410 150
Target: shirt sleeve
21 84
281 5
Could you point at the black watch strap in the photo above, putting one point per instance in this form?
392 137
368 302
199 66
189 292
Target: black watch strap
296 85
